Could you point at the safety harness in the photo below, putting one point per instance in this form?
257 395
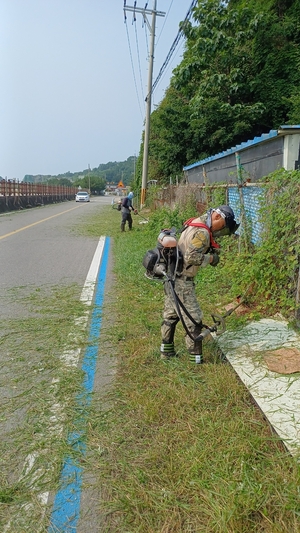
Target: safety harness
191 222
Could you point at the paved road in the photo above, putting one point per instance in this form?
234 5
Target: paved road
41 247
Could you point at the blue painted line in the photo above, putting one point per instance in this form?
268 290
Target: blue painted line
66 506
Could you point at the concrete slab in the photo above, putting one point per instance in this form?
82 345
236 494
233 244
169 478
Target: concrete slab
277 395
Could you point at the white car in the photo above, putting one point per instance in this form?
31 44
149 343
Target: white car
82 196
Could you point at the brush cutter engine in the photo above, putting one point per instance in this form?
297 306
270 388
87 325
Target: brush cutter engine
164 260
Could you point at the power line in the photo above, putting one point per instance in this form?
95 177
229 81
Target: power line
136 89
172 49
154 13
165 20
146 36
138 56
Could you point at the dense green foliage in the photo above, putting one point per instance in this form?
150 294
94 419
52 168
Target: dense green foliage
239 77
275 265
271 269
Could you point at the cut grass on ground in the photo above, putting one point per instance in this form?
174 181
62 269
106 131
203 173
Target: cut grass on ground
37 402
181 449
174 448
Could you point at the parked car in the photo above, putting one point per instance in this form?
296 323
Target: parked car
82 196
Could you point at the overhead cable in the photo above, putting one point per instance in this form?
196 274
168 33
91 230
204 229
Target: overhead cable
165 20
138 55
172 49
125 20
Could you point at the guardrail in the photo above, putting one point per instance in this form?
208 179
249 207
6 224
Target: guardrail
21 195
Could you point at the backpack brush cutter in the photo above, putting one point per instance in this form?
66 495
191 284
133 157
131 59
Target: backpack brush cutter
163 263
218 327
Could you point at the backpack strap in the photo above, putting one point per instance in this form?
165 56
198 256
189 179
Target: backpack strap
191 222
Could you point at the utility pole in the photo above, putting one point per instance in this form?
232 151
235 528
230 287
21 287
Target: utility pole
154 13
89 172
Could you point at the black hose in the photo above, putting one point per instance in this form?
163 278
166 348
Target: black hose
178 304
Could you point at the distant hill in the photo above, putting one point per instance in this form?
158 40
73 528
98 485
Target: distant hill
111 172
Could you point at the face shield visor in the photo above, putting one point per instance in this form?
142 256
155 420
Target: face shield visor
230 224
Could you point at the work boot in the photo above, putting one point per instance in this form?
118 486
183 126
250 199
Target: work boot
122 227
167 351
196 359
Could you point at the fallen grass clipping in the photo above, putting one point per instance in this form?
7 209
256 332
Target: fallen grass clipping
178 448
37 402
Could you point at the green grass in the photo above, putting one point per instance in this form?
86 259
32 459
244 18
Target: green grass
33 380
178 448
173 448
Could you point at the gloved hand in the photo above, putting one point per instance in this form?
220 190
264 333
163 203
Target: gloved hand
215 260
135 211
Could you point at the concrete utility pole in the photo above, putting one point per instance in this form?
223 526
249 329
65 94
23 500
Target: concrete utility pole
151 28
89 178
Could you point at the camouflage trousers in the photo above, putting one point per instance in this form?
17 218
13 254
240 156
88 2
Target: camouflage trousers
185 290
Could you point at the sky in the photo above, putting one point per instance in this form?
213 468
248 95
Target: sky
74 80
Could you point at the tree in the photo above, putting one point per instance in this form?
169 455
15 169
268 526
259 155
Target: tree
92 182
60 181
217 73
277 62
239 78
169 137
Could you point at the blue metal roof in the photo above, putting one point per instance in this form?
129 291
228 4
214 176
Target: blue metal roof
289 127
244 145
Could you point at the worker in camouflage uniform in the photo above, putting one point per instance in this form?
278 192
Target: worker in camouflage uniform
198 249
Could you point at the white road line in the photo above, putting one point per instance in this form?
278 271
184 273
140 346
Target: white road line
89 286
